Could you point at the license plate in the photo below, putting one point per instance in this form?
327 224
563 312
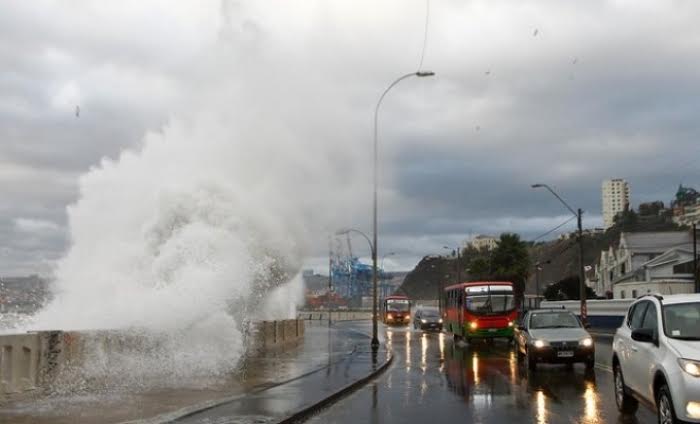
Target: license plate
492 330
565 354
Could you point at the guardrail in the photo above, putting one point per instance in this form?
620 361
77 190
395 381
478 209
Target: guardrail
35 360
335 315
607 313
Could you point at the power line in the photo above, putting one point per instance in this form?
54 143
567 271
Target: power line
425 33
554 229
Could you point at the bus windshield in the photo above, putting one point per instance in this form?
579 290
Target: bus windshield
396 305
489 300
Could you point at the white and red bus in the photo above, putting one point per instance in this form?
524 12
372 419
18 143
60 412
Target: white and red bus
396 310
480 310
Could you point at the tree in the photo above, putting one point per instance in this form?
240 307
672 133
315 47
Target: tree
566 289
510 261
480 268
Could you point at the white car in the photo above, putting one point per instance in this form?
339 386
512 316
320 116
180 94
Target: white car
656 357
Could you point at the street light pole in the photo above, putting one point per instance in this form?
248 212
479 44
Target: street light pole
375 339
582 276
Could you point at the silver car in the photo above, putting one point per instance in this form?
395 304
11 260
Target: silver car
553 336
656 357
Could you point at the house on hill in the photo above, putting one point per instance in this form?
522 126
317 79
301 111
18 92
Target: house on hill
646 262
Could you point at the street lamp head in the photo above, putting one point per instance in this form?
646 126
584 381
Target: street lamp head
425 73
342 232
537 185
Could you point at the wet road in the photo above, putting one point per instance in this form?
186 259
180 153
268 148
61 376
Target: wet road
432 380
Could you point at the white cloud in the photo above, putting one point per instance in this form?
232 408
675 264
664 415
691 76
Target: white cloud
37 226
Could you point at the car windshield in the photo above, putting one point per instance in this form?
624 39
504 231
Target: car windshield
681 321
553 320
429 314
396 305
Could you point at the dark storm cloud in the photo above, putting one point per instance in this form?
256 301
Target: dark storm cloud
606 89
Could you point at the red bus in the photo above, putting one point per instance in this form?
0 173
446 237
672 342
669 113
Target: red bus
480 310
396 310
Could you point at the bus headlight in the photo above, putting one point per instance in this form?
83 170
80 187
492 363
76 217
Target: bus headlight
510 323
473 325
389 316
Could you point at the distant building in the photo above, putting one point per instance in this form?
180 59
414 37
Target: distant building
645 262
483 242
687 215
616 198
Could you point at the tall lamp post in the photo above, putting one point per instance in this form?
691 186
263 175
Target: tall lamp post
375 339
581 274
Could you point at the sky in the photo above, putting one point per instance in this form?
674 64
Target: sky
528 91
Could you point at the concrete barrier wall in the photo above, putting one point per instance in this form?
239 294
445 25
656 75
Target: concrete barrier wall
607 313
35 360
335 315
276 334
19 362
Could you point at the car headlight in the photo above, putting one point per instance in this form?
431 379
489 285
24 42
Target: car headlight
539 344
690 366
424 321
473 325
440 321
587 342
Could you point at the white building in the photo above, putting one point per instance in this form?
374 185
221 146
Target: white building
616 198
645 262
687 215
484 242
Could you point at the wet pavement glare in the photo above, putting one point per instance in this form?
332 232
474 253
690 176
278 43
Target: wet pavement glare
435 380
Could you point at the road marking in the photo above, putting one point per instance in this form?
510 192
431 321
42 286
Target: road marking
603 367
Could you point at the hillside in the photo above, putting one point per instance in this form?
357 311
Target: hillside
424 281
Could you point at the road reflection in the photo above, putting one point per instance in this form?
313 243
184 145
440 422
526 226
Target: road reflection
487 375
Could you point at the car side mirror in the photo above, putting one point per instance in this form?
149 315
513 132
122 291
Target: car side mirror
521 328
644 335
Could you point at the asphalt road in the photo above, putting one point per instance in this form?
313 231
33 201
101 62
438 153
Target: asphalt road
432 380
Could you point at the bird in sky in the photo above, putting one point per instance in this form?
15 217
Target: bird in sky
488 72
575 60
77 111
537 31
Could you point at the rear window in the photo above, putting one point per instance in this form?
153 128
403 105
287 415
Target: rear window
553 320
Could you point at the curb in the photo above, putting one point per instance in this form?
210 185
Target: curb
305 413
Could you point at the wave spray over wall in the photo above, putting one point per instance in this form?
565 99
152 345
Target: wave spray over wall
183 237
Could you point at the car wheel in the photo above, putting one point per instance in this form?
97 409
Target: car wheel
625 403
664 406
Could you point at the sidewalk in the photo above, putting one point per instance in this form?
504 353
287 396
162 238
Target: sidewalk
262 374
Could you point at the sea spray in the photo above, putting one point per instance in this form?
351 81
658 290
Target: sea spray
203 226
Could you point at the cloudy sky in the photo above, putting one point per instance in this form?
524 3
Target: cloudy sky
565 93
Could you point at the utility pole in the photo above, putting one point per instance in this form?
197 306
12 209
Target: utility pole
581 272
330 277
459 270
695 258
